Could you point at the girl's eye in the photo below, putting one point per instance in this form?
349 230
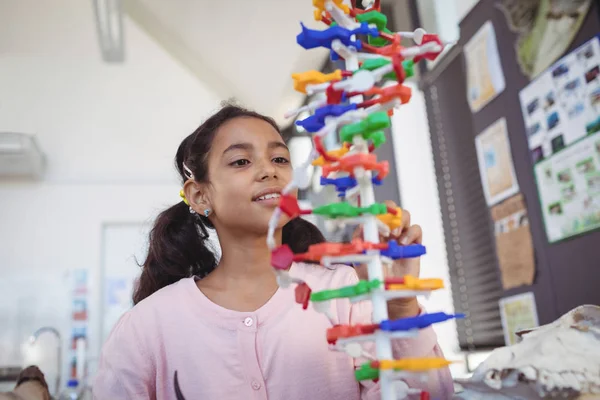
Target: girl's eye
281 160
240 163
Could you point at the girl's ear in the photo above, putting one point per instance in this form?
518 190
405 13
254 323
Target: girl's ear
197 196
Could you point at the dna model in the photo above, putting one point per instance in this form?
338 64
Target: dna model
356 104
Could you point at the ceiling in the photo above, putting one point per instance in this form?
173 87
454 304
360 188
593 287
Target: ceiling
239 48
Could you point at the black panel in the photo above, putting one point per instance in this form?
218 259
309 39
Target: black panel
567 273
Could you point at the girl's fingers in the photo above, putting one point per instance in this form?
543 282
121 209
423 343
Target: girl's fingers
412 235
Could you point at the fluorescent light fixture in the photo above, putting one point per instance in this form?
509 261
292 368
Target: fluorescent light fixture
109 26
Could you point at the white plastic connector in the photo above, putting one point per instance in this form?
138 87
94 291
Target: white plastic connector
323 307
301 178
272 226
284 279
361 81
411 52
312 106
340 17
416 35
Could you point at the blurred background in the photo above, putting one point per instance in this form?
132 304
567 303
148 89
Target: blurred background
96 95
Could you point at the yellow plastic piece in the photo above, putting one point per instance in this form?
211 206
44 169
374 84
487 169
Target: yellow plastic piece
302 79
391 220
320 5
414 364
182 195
413 283
319 162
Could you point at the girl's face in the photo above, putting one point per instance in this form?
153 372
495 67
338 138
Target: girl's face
248 167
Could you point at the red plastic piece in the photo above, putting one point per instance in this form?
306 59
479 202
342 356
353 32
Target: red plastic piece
367 161
428 38
392 210
425 396
346 331
317 251
303 292
326 20
333 96
393 281
282 257
398 67
321 150
390 50
289 205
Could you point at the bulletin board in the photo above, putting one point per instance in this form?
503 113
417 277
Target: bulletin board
566 271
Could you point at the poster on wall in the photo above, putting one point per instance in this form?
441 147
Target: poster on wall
518 313
79 324
545 28
514 245
496 167
561 110
485 79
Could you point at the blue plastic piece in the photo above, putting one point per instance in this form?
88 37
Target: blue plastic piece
418 322
316 122
310 38
396 251
341 184
345 183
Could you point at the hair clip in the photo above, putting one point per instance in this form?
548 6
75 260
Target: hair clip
187 172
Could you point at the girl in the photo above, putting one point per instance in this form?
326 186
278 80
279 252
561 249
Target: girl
210 329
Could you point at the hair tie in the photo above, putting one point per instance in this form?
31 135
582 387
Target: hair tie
182 195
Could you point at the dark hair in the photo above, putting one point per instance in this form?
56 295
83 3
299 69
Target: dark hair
178 245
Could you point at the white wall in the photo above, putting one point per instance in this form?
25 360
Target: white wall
419 195
110 133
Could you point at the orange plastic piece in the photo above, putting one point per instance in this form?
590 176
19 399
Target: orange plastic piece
387 94
302 79
338 153
412 283
347 331
414 364
350 162
320 5
391 220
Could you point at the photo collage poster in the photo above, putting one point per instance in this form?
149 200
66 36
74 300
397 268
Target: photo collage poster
561 110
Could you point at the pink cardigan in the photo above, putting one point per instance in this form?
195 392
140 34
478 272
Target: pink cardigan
276 352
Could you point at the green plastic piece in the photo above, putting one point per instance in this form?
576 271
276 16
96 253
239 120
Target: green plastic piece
373 17
378 19
344 209
362 287
378 138
375 63
409 67
336 210
368 128
366 372
375 209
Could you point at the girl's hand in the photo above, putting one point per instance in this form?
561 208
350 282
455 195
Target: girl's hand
405 235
